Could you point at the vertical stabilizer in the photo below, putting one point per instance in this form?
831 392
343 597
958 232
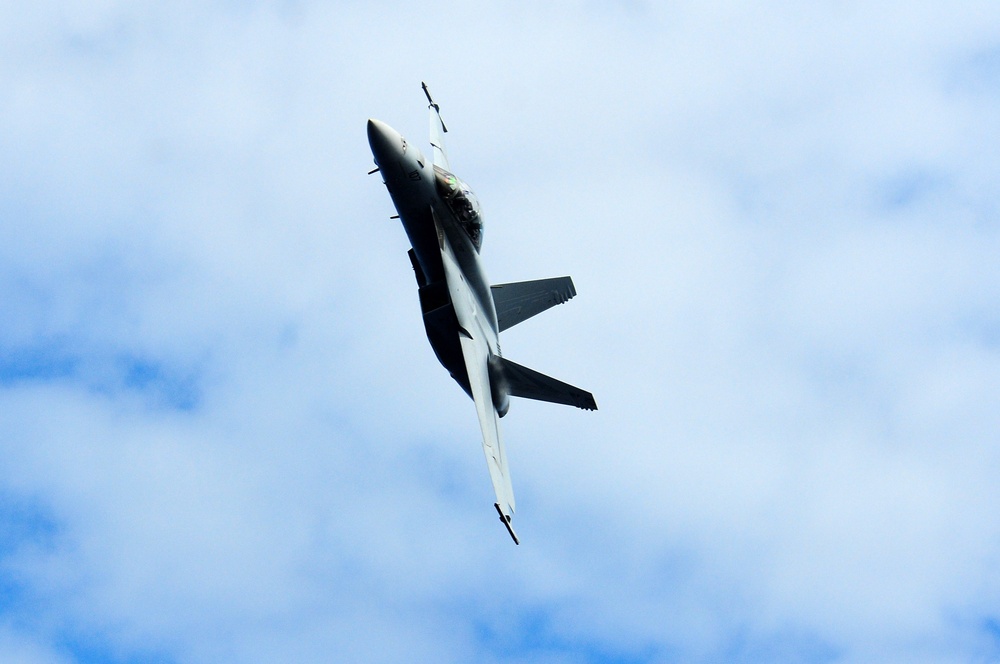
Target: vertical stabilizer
519 301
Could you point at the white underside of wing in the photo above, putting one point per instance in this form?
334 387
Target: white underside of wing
437 139
476 352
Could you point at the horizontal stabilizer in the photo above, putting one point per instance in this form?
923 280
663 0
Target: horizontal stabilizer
529 384
519 301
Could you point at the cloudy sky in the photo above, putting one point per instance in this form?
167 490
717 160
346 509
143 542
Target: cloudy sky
224 438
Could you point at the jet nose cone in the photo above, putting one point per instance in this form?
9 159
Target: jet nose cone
385 142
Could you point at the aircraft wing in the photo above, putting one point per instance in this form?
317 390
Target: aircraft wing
476 352
438 131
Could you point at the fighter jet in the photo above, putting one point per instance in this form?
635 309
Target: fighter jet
463 314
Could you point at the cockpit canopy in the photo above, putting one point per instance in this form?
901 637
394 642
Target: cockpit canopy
462 203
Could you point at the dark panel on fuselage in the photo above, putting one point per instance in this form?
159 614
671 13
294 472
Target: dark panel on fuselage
441 326
419 226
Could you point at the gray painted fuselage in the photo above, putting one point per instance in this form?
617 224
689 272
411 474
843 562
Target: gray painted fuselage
412 184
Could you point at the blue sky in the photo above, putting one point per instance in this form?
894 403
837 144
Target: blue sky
224 437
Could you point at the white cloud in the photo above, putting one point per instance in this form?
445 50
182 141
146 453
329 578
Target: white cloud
781 227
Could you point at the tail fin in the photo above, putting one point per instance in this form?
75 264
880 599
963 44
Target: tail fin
529 384
519 301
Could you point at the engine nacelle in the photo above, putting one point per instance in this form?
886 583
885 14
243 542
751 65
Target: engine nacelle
499 387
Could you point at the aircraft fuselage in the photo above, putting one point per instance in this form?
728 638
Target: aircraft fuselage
419 192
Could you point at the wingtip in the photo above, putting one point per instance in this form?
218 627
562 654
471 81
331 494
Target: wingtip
505 520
